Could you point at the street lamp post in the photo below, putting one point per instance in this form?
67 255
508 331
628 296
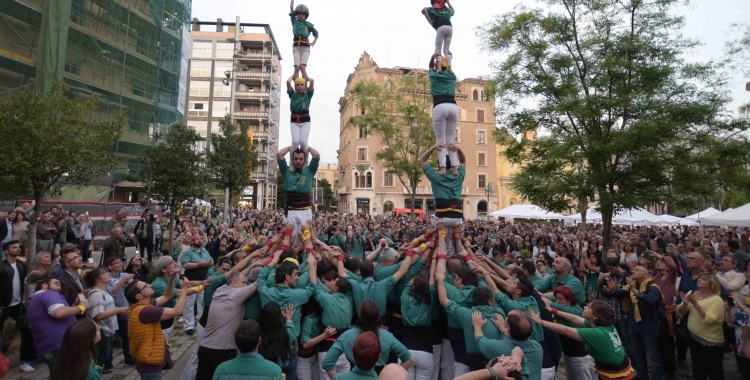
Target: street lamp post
488 192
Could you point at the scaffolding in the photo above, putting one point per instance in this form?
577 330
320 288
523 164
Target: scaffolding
128 54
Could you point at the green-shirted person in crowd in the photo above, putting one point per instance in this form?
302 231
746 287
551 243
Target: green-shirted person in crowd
163 267
357 243
418 301
249 364
597 331
337 307
298 184
446 188
368 321
300 97
366 351
517 334
563 275
301 29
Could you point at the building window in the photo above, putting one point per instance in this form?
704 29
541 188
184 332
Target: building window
361 133
224 50
220 91
369 180
483 96
482 180
220 67
200 69
480 138
200 88
356 180
387 179
362 154
460 114
481 159
197 109
361 179
475 95
480 116
202 49
458 135
389 86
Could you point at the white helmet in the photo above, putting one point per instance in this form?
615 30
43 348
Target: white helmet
302 8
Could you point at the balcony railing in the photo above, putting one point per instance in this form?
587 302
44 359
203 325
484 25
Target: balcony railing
427 190
259 176
251 94
256 56
260 135
253 75
250 115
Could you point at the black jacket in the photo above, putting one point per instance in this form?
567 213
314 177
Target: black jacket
6 281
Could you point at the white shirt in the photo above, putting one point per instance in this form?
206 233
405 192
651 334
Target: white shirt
732 282
16 297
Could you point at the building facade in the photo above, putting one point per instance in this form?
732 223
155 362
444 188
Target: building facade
235 70
365 186
127 54
330 173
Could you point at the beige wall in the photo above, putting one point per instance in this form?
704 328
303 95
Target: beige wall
380 193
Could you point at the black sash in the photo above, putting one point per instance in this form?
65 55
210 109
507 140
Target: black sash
440 99
449 208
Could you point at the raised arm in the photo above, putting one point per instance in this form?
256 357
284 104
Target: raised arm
432 60
314 153
554 327
282 153
461 157
427 16
291 6
440 278
406 264
168 292
311 86
176 311
426 155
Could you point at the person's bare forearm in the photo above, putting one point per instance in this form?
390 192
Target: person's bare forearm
461 157
314 153
426 156
280 155
407 363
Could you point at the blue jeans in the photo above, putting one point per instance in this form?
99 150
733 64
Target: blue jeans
105 351
151 376
291 370
646 351
122 325
624 330
85 250
50 358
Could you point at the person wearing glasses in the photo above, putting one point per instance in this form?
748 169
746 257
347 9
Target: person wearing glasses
70 281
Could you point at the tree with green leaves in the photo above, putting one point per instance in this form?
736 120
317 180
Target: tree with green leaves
327 193
398 113
173 171
52 142
606 86
232 158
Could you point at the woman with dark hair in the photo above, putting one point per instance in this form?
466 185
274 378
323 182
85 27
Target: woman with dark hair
417 300
595 328
591 266
368 321
211 244
275 328
578 364
77 353
309 337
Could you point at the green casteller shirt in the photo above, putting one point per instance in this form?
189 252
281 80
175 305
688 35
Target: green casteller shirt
310 329
462 297
537 281
339 241
159 285
299 181
369 289
283 295
463 315
442 83
337 308
249 365
531 368
602 343
208 292
592 281
551 283
444 13
358 247
415 313
345 345
446 186
95 373
302 28
191 256
572 309
357 374
300 103
537 333
382 273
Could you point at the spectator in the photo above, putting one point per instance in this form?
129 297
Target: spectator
249 364
666 279
116 287
563 276
114 220
12 290
196 261
617 276
6 227
103 311
705 310
728 278
70 281
85 232
144 231
147 342
49 316
137 268
366 352
164 266
743 258
115 245
38 271
77 353
20 228
45 233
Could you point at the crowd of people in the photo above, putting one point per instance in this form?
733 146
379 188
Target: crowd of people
347 295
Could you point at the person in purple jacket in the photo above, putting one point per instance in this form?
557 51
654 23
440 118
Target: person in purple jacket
49 315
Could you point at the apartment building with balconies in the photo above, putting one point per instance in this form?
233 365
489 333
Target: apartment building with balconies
235 70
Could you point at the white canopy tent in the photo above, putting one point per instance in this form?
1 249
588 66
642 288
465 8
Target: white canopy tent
635 216
526 212
738 217
675 220
703 214
592 216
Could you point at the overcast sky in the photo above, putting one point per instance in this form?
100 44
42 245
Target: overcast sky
395 33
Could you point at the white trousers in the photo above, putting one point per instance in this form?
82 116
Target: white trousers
443 41
300 134
548 373
423 366
444 123
188 313
168 332
450 247
302 54
308 368
342 365
580 368
446 360
191 367
460 369
298 217
437 350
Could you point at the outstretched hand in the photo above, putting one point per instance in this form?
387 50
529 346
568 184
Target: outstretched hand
477 320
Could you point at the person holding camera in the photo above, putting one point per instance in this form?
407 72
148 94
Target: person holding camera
119 280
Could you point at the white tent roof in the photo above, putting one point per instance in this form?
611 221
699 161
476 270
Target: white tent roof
738 217
592 216
675 220
707 212
525 212
635 216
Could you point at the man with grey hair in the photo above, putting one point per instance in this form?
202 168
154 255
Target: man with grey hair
563 276
163 267
115 244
